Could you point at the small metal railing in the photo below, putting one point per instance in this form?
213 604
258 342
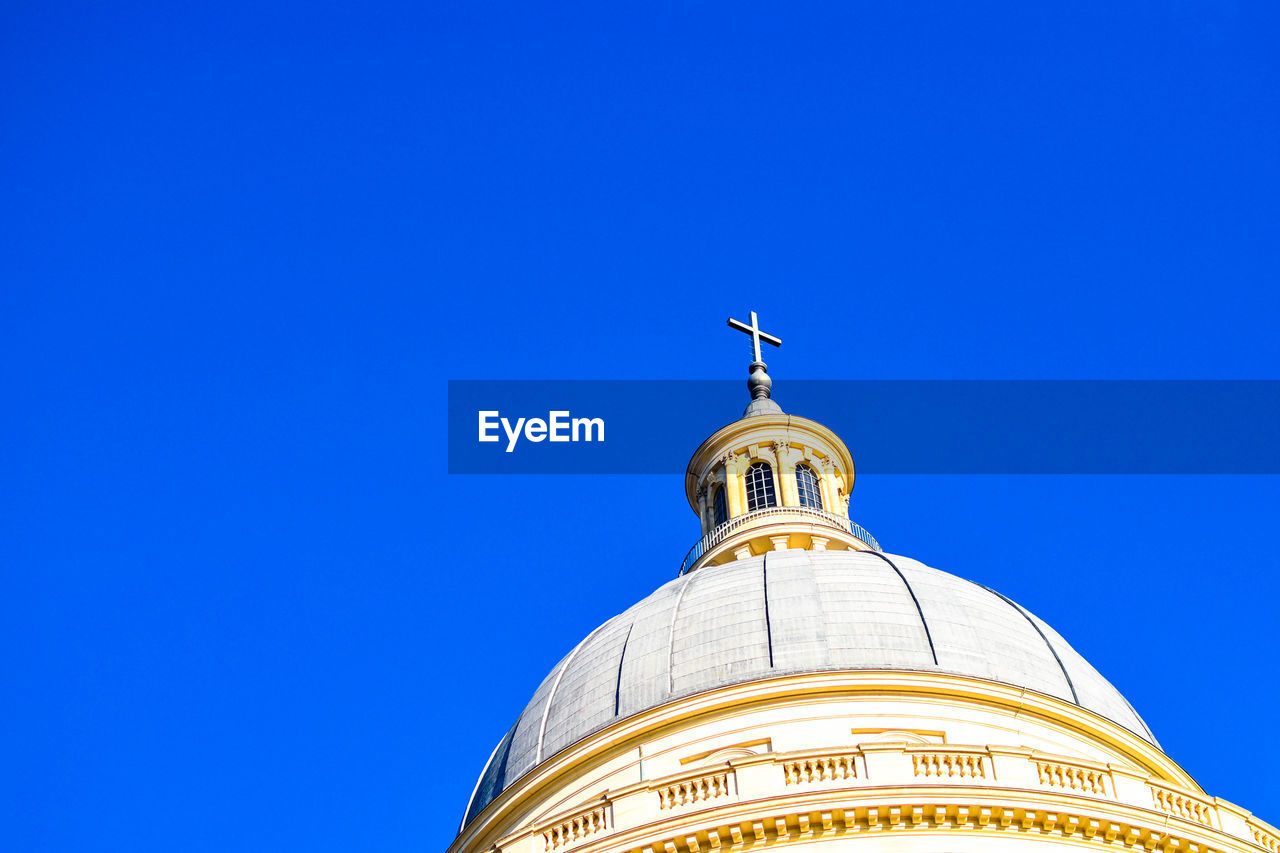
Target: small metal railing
861 533
722 531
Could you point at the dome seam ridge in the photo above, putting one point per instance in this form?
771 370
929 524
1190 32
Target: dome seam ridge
617 690
551 695
671 635
919 610
1075 697
768 628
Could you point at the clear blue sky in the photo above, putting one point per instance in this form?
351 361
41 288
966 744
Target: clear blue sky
245 247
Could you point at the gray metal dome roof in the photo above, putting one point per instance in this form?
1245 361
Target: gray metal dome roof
787 612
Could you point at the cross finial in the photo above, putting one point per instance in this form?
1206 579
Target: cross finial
759 383
756 335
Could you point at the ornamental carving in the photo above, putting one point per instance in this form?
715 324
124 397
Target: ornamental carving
785 452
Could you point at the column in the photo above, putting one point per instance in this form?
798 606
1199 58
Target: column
830 491
786 473
733 486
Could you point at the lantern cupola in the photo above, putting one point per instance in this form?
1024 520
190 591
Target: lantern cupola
770 480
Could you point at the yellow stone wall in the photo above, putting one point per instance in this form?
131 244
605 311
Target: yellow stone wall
877 760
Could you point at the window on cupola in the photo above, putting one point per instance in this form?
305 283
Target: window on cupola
718 508
807 487
760 487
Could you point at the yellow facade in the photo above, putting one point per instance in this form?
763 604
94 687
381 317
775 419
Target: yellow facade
880 760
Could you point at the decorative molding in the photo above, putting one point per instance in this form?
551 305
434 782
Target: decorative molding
912 816
920 736
732 750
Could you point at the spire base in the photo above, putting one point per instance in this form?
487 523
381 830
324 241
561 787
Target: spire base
763 406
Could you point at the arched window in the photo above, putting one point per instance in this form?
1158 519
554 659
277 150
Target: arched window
807 487
760 487
719 510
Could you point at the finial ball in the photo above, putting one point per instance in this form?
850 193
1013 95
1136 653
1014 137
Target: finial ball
759 384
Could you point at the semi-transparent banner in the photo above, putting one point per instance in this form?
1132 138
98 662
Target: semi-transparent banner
892 427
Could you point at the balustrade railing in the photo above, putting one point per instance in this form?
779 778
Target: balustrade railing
723 531
836 780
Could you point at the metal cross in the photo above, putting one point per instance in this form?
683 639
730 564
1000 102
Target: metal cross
756 335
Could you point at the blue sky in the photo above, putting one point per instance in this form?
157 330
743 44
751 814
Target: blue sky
246 246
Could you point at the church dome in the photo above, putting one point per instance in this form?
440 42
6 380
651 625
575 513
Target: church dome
786 612
795 684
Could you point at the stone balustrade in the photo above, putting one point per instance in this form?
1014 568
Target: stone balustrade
1183 804
1264 835
1073 776
742 798
823 767
567 831
693 789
